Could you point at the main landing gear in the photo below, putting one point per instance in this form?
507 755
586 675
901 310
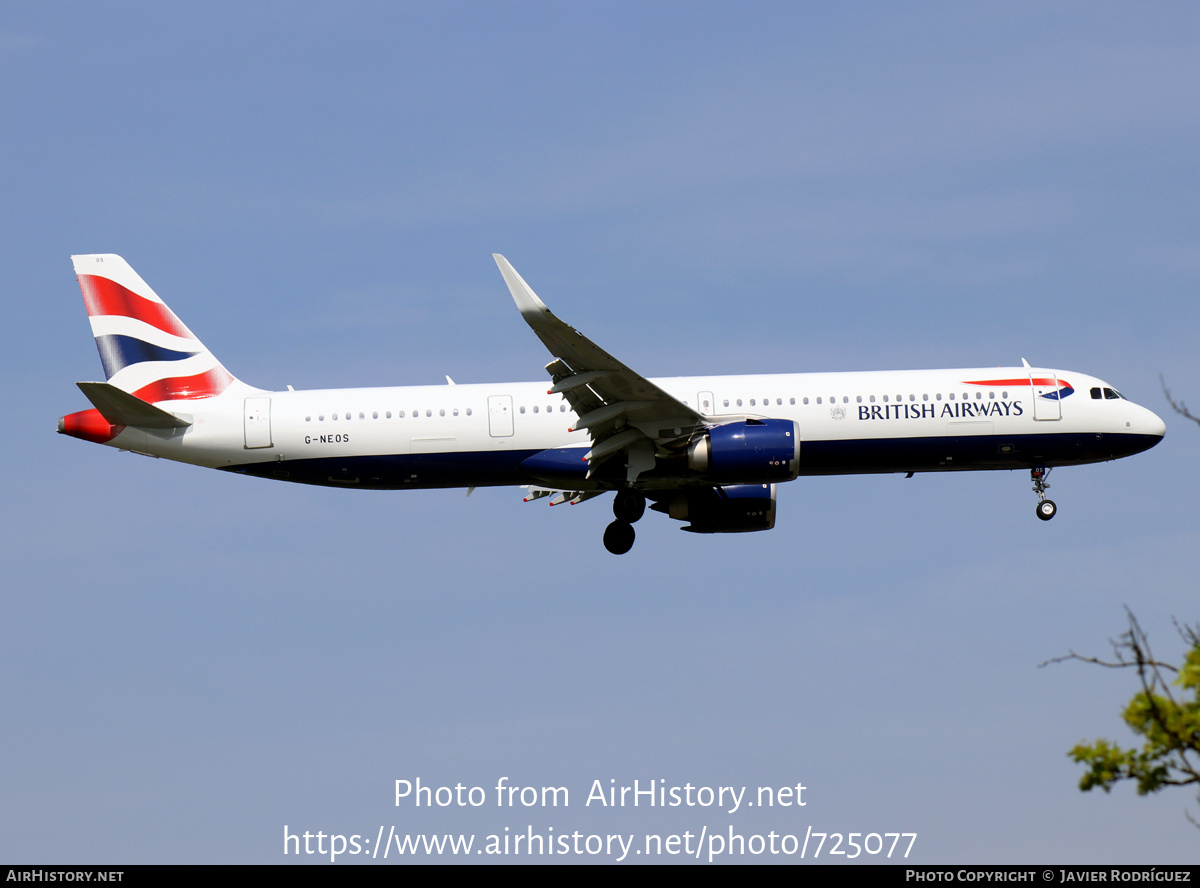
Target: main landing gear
628 507
1045 508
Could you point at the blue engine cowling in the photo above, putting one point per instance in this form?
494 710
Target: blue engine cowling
733 508
752 451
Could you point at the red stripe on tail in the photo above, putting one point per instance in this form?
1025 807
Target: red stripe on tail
202 385
106 297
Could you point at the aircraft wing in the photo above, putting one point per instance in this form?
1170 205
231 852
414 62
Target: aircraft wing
623 411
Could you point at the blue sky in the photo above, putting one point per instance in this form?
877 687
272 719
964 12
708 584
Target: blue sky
194 660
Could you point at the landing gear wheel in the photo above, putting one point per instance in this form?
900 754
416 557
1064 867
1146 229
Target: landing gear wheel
1045 507
618 537
629 505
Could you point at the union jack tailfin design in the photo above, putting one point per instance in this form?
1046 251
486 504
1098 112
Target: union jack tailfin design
145 349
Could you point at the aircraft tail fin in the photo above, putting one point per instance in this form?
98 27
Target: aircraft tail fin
146 350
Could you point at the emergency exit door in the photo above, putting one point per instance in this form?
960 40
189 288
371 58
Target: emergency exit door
500 416
258 423
1046 397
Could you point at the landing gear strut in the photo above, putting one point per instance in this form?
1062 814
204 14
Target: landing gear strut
628 506
1045 508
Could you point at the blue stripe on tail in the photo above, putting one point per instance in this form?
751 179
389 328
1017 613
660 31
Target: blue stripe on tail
118 352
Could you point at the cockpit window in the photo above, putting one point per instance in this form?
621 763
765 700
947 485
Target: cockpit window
1096 393
1111 394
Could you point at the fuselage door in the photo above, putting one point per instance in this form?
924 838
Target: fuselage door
258 423
706 403
500 416
1045 408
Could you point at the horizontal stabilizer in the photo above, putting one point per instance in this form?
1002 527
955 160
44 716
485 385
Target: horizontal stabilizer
121 408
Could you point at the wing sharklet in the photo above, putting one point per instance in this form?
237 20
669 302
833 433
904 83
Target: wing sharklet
522 294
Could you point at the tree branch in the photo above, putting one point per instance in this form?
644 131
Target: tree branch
1178 406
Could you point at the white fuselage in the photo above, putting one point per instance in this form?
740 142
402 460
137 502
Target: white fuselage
468 435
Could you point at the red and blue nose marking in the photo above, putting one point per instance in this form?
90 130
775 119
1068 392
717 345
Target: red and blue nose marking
1061 388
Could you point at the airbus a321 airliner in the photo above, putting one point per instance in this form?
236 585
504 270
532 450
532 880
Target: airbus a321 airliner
706 450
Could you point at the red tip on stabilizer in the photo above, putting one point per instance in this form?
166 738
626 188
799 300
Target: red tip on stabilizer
90 426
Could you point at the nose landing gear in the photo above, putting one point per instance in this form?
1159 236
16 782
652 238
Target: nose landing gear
1045 508
628 507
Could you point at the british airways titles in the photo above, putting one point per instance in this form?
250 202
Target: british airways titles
956 410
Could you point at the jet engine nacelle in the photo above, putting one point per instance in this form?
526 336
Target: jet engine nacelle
752 451
734 508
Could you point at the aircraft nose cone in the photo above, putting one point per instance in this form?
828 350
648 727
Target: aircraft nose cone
1155 425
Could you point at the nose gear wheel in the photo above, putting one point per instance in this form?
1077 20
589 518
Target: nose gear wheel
1045 508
